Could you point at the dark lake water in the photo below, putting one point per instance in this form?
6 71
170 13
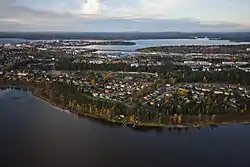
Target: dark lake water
11 40
35 134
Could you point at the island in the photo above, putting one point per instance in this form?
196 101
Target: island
76 43
174 87
202 49
113 43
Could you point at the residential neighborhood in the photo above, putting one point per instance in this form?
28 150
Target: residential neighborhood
150 85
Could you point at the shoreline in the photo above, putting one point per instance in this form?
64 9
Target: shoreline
35 92
141 125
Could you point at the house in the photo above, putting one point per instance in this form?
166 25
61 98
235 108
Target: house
241 88
206 90
95 94
205 69
242 63
134 65
203 63
194 69
228 63
95 62
122 86
218 92
22 74
108 87
218 69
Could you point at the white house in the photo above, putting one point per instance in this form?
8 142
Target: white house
218 92
134 65
228 63
22 74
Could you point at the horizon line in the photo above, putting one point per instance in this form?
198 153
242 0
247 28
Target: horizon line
125 32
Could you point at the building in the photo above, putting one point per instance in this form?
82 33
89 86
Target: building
22 74
228 63
95 62
202 63
134 65
242 63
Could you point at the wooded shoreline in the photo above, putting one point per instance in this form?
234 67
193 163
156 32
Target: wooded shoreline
225 119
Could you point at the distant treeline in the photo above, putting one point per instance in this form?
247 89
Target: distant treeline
237 36
216 49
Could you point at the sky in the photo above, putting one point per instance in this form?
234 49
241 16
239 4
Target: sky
125 15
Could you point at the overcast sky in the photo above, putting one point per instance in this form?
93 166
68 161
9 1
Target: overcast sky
125 15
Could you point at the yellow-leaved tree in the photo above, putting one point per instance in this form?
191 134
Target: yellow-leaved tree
179 119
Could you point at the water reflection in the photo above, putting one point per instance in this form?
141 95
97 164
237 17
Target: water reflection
103 122
36 134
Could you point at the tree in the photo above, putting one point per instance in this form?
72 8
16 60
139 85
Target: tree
8 66
93 81
159 118
132 118
179 119
62 99
175 118
213 118
205 79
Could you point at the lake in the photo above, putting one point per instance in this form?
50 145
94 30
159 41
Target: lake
35 134
11 40
142 43
162 42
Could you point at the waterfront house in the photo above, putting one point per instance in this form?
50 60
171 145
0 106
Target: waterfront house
134 65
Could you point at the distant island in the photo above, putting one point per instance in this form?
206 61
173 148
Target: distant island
76 43
213 49
112 43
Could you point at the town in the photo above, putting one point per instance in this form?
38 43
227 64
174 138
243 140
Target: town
154 86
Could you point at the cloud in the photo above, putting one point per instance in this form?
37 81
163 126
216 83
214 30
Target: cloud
160 8
146 8
92 7
99 15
